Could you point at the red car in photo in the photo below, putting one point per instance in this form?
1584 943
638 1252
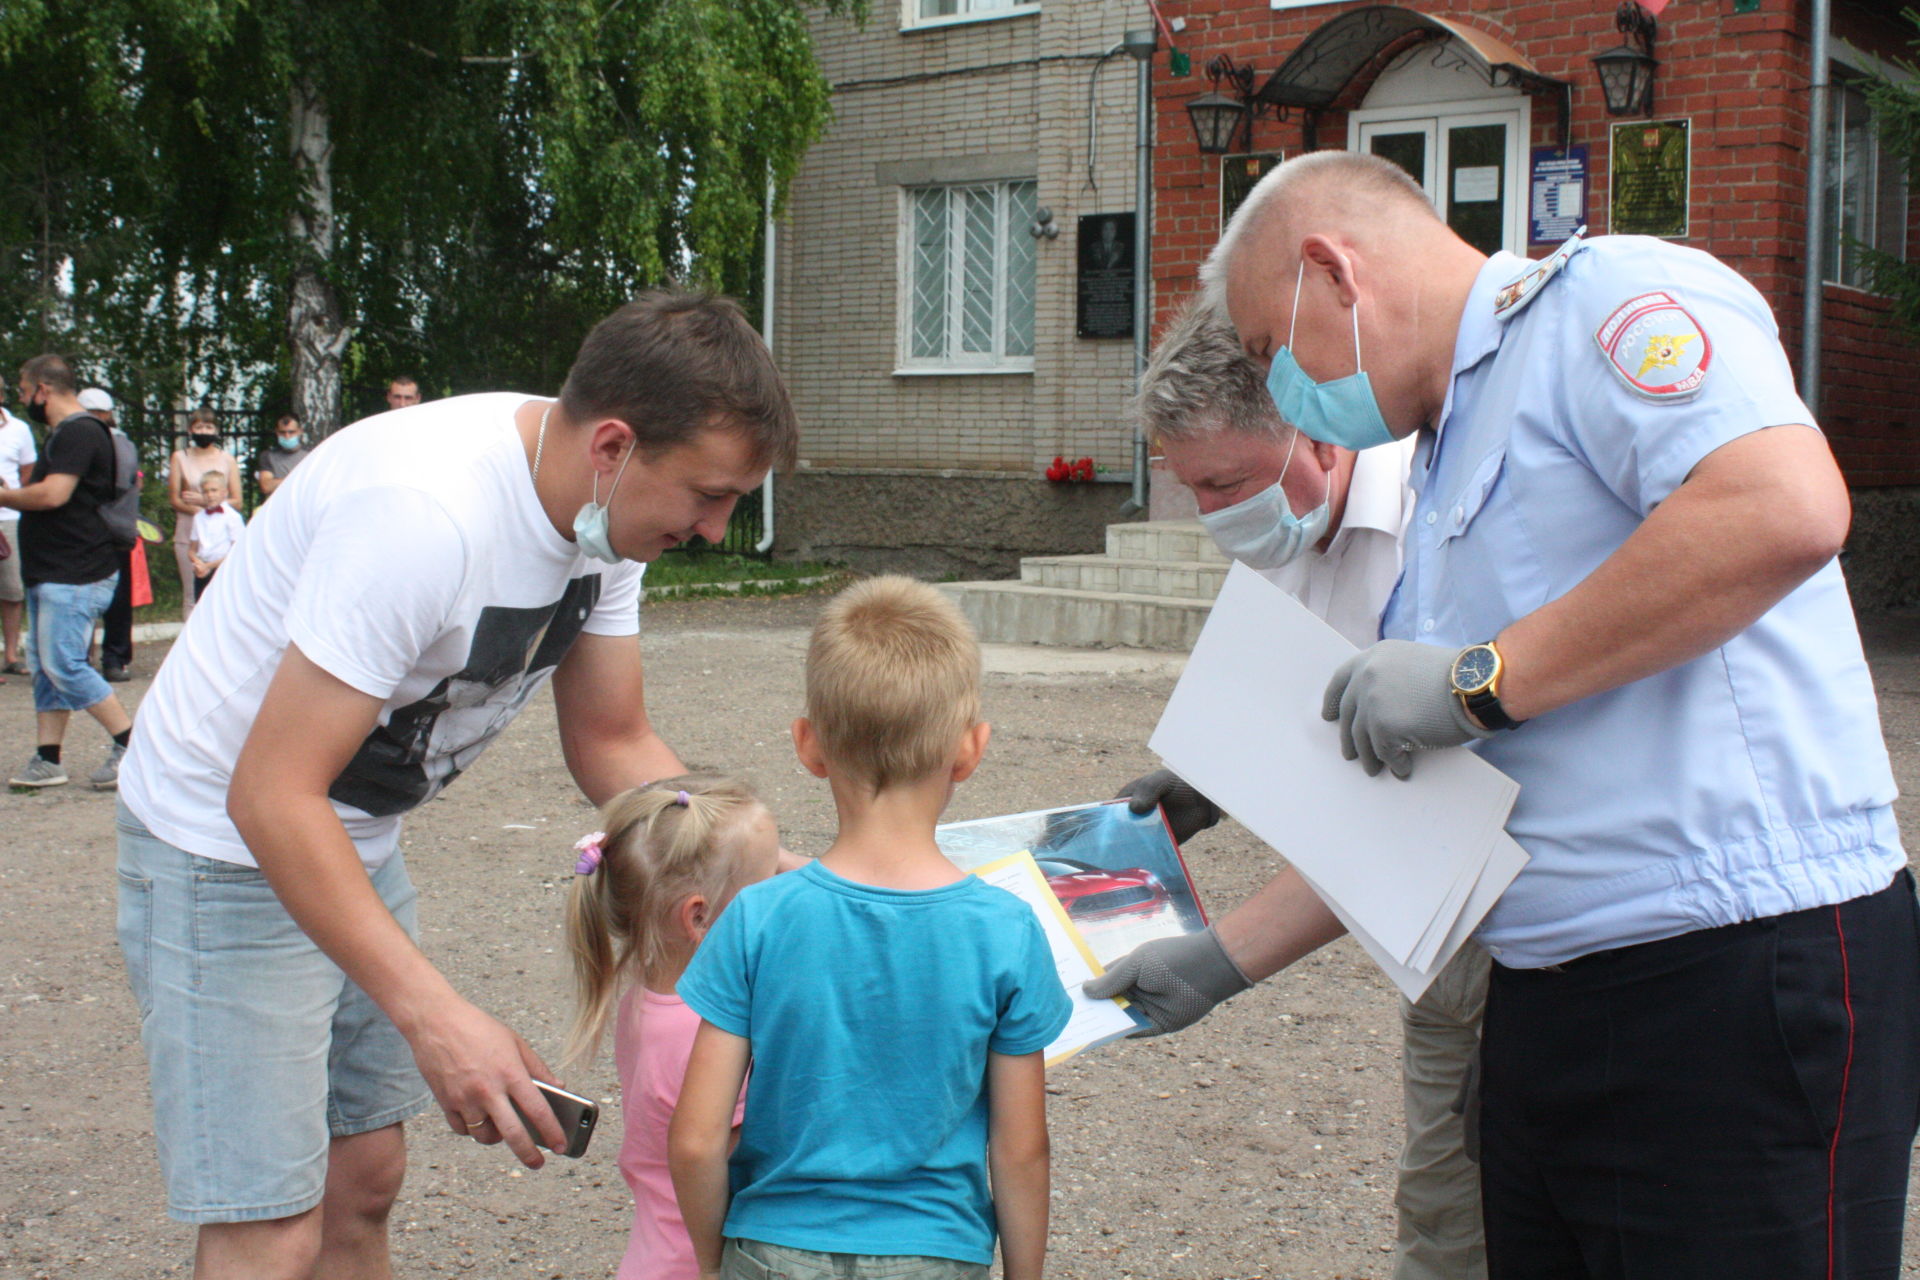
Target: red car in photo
1096 895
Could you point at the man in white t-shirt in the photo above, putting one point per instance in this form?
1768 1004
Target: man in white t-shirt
17 456
1325 524
405 593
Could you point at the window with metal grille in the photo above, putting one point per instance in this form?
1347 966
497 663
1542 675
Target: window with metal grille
968 263
1865 188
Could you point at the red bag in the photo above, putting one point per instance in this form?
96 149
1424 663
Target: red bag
142 588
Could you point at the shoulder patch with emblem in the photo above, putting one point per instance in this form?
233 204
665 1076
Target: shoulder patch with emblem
1520 290
1656 346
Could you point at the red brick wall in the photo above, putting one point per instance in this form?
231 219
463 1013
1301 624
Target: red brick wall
1740 79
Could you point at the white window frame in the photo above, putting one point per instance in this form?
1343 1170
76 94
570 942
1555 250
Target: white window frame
956 362
970 11
1842 70
1437 120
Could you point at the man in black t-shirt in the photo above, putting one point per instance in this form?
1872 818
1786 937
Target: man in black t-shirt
70 566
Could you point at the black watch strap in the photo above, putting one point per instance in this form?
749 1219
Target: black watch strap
1485 707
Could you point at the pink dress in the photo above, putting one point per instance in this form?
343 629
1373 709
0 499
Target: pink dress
652 1036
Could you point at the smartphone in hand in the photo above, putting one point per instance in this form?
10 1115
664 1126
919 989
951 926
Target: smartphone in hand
577 1116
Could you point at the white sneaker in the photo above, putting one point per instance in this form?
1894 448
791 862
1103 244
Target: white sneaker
40 772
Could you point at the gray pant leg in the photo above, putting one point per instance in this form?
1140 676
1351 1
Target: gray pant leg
1438 1198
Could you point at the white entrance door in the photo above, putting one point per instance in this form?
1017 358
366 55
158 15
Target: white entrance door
1465 142
1469 162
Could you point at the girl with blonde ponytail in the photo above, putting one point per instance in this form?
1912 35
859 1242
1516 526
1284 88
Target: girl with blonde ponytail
645 892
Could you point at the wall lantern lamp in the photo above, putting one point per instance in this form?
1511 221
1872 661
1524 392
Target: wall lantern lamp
1626 73
1217 117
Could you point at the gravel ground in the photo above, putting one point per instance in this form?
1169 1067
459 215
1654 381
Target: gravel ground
1260 1144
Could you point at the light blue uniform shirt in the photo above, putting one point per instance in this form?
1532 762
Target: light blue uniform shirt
871 1013
1750 782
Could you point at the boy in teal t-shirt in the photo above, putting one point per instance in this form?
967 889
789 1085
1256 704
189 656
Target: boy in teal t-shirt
894 1008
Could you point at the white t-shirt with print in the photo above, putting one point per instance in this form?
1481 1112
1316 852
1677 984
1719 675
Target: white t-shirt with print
409 558
16 452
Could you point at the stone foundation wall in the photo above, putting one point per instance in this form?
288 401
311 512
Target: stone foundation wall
1883 551
939 525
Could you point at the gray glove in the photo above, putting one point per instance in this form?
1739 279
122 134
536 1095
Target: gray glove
1174 981
1188 812
1395 699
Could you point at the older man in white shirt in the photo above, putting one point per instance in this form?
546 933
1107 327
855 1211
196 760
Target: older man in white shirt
1325 524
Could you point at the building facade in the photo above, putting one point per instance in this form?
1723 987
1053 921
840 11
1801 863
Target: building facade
927 334
1498 110
943 241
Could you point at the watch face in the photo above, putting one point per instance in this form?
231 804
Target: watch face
1473 669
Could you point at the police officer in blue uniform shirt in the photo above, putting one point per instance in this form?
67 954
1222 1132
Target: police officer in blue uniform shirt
1701 1055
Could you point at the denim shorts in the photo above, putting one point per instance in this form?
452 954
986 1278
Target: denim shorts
259 1049
61 616
757 1260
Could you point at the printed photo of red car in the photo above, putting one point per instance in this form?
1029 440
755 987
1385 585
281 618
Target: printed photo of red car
1095 895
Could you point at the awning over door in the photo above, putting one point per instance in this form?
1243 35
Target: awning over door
1315 75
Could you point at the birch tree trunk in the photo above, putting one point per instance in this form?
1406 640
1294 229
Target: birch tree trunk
317 335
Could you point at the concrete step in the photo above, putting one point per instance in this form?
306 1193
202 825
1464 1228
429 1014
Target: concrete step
1185 579
1026 613
1177 540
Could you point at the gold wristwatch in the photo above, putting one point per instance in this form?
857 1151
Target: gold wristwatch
1476 682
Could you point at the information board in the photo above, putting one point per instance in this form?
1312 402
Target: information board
1238 176
1556 194
1652 168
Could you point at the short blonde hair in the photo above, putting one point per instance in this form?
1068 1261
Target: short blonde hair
893 681
655 853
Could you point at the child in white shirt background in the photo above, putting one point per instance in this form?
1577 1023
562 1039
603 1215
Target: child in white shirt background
216 527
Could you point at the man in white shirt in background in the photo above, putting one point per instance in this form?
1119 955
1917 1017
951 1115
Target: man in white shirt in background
1324 524
17 456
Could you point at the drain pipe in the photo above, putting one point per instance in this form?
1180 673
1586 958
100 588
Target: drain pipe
1813 289
765 544
1140 46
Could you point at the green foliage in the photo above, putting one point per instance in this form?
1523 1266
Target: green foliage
504 173
1896 113
679 568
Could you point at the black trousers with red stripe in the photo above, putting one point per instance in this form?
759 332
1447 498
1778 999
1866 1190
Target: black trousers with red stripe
1732 1103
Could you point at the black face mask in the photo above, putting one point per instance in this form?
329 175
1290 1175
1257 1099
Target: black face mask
37 410
203 441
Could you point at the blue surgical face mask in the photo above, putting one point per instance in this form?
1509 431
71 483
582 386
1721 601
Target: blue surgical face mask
291 443
1343 411
1262 532
590 525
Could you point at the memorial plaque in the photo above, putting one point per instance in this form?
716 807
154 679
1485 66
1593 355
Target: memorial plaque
1106 280
1652 165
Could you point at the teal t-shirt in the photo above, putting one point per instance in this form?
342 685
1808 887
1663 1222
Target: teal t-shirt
871 1013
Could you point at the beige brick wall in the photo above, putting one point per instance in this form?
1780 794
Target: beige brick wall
994 89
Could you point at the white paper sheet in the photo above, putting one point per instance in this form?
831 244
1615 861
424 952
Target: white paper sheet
1093 1022
1508 858
1401 859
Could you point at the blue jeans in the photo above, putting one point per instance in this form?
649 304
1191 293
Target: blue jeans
259 1049
61 616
